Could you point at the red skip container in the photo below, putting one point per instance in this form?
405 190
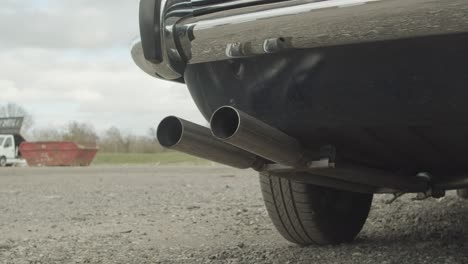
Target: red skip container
57 153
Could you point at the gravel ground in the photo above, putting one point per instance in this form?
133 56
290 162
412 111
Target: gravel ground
197 215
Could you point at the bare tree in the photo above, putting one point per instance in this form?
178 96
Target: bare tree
142 144
153 134
81 133
16 110
46 134
112 141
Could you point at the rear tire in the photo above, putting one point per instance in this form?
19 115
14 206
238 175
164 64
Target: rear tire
463 193
306 214
3 161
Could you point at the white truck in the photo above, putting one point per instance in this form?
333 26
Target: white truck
10 139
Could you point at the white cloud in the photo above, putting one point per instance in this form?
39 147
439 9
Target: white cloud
70 60
68 24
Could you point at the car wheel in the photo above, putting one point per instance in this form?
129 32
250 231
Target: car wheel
306 214
463 193
3 161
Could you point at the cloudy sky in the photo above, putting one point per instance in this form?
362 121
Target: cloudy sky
70 60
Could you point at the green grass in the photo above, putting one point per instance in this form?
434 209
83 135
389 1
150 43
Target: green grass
163 158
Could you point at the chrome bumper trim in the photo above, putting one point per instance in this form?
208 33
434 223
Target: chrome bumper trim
299 24
321 24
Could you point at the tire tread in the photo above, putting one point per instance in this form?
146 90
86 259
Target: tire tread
295 212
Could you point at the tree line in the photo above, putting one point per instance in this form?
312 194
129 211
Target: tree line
112 140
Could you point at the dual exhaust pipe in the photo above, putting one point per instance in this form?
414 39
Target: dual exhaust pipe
239 140
235 139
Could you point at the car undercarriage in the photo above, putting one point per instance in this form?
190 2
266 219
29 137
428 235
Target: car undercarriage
331 101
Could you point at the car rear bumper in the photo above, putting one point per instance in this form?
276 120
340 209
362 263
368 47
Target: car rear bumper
188 38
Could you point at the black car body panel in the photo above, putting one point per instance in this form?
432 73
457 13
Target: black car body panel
382 81
395 104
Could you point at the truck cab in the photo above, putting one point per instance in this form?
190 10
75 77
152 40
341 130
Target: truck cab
9 149
10 140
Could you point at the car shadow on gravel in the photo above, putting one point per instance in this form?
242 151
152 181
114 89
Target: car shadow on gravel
432 230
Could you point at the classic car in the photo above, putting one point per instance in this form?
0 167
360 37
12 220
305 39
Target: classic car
330 101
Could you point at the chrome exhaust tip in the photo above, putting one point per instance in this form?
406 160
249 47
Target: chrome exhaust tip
170 132
225 122
184 136
246 132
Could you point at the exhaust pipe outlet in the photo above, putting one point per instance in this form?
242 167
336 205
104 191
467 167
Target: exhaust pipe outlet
246 132
184 136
